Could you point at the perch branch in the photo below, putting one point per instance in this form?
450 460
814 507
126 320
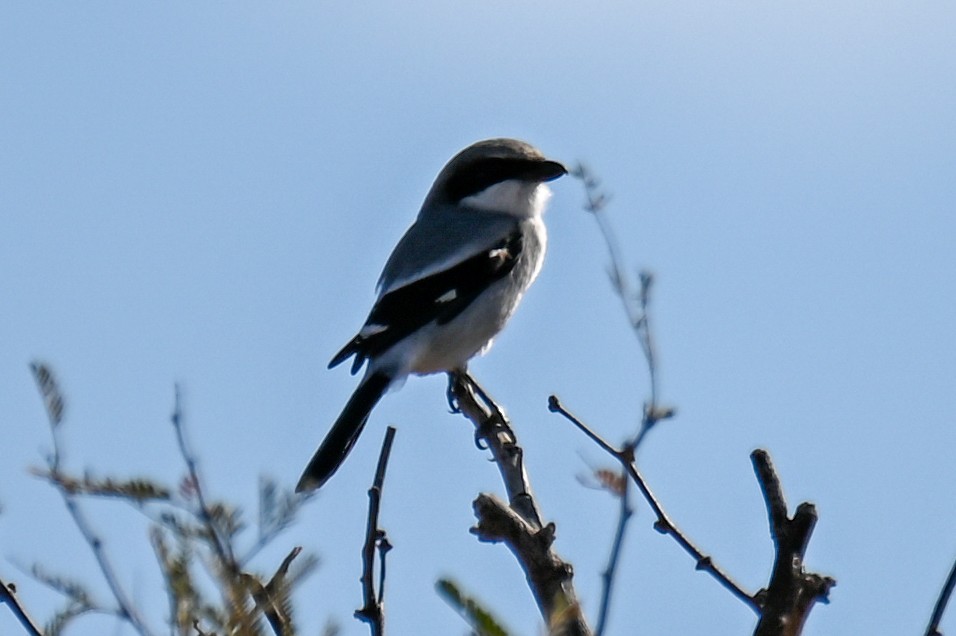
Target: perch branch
494 430
518 524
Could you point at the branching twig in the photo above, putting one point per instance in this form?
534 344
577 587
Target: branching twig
272 598
786 603
202 531
53 401
221 547
635 301
227 568
607 577
663 524
933 628
373 610
8 596
518 524
636 304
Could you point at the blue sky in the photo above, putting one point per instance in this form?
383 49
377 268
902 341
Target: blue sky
205 194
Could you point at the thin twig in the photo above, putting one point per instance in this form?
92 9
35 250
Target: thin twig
54 406
636 305
271 598
221 547
8 596
607 577
635 301
663 524
373 610
933 628
226 567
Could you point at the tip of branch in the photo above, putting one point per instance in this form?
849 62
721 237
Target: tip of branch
658 413
554 404
662 526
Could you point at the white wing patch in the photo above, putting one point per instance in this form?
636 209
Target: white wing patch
450 295
425 272
370 329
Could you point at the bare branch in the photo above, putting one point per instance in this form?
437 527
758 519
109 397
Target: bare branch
518 524
663 524
493 429
607 577
635 300
636 305
933 628
8 596
548 575
373 610
787 601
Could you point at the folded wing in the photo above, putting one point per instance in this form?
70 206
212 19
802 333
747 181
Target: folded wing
439 297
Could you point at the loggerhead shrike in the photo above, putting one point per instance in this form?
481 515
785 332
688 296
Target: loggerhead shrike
451 283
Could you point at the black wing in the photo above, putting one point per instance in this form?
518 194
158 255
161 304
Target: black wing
439 297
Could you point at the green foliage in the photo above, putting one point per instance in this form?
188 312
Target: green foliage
208 583
480 619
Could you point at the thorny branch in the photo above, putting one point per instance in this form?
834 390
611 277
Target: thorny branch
373 611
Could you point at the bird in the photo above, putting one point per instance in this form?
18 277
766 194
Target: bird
451 283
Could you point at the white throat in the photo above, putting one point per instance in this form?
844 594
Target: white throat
523 199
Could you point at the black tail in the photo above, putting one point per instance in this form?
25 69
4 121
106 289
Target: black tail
346 430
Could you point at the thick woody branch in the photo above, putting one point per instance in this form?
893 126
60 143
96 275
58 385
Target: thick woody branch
548 576
787 601
493 429
518 524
